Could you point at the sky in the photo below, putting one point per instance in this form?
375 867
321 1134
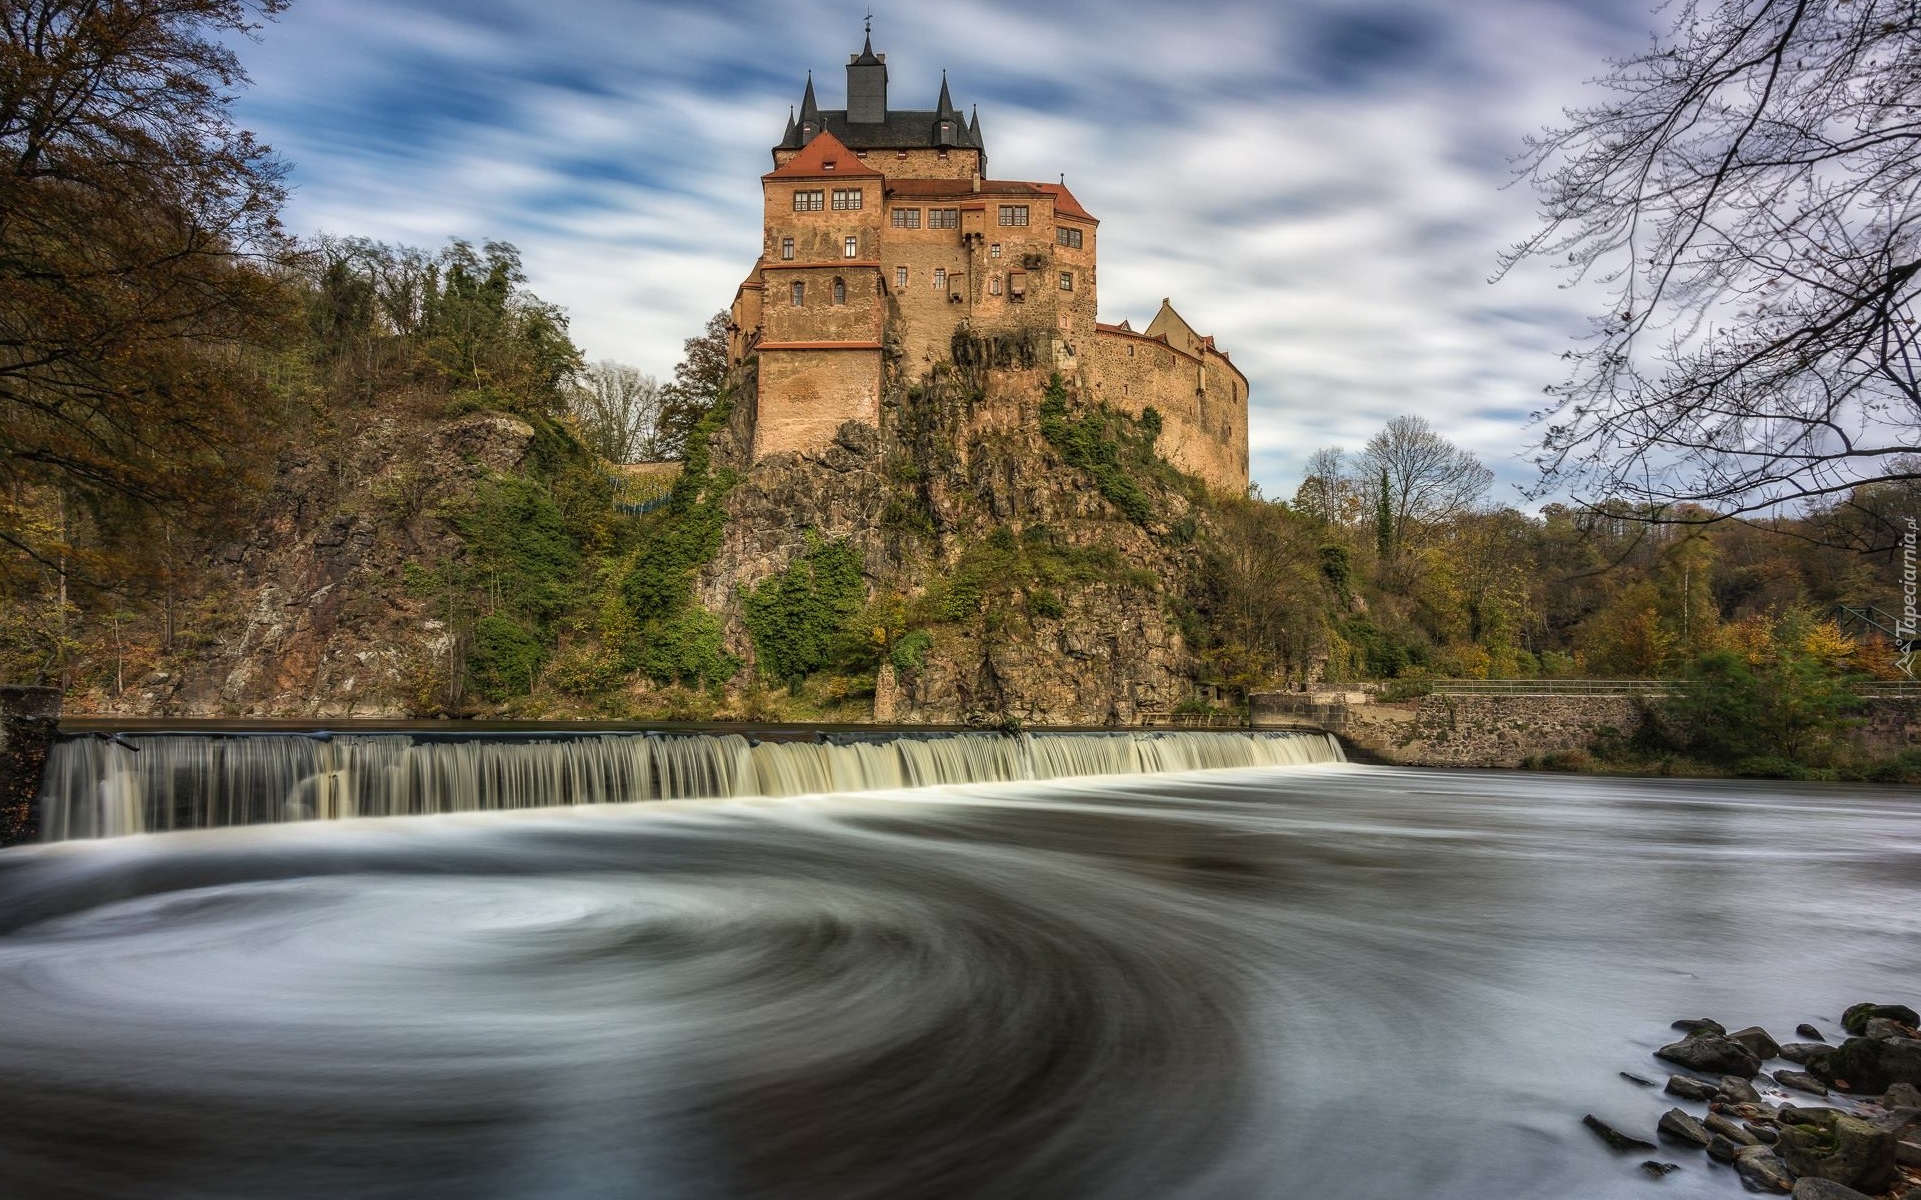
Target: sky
1324 187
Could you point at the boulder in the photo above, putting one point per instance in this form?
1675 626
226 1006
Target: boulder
1813 1188
1856 1019
1801 1052
1809 1032
1882 1028
1865 1064
1657 1169
1731 1129
1762 1169
1845 1149
1907 1154
1681 1127
1722 1150
1636 1079
1615 1139
1800 1081
1735 1090
1699 1025
1902 1095
1687 1087
1756 1039
1712 1053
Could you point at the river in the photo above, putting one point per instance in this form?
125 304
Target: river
1305 981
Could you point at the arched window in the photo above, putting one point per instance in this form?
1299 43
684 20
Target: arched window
840 291
800 293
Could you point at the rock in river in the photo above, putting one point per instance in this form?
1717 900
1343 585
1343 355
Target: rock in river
1614 1137
1735 1090
1762 1169
1713 1053
1800 1081
1682 1128
1856 1019
1809 1032
1802 1051
1813 1188
1864 1064
1842 1148
1756 1039
1687 1087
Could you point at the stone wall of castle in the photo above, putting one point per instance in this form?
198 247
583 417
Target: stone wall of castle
1201 397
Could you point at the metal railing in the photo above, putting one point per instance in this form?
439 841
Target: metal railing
1622 687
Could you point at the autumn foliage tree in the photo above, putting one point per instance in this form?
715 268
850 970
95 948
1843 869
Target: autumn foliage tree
138 274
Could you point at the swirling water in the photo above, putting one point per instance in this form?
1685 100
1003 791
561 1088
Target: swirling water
1326 981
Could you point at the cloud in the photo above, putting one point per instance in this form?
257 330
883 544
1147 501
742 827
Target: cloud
1317 185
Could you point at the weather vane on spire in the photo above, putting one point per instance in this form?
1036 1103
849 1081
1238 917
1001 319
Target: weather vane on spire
870 22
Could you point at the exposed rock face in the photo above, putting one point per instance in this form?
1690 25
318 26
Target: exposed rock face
310 615
946 470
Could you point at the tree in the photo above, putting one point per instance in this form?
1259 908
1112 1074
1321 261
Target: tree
698 382
1422 477
1326 493
1750 197
619 410
139 248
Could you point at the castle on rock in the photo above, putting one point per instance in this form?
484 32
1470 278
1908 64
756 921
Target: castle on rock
884 237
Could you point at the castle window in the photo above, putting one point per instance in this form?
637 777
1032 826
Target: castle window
850 247
940 279
943 218
799 293
994 251
840 291
1013 214
1130 350
943 154
787 248
900 279
1017 284
1067 281
1068 237
906 218
846 199
994 286
901 155
809 201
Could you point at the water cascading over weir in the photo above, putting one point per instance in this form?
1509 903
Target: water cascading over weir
98 787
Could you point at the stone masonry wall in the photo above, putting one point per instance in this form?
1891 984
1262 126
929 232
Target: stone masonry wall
1453 731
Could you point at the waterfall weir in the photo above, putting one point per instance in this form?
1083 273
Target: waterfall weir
98 787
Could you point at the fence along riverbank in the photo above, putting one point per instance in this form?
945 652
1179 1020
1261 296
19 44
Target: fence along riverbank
110 786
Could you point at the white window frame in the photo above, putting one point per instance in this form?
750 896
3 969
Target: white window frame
1068 236
850 247
787 249
1014 215
900 279
1067 281
943 218
809 200
940 279
905 218
847 199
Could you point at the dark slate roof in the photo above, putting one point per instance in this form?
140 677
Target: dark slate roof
900 131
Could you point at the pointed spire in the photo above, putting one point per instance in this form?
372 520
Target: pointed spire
809 107
791 139
867 56
974 130
946 107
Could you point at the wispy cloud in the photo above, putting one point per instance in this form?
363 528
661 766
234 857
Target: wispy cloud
1319 185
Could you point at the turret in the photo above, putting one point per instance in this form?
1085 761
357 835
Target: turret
867 84
949 128
809 113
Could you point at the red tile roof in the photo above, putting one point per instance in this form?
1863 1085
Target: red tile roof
824 158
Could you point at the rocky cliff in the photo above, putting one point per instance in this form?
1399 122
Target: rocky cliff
1023 559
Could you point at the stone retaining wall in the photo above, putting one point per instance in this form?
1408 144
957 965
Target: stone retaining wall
1452 730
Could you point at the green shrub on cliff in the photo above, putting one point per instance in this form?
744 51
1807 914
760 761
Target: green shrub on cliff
505 659
685 534
1102 444
797 617
687 648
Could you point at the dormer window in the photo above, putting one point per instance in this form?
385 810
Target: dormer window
829 164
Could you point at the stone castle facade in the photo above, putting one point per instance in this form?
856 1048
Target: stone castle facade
884 237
